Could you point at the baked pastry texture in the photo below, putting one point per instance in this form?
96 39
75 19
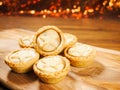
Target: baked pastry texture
80 55
52 69
49 40
70 39
21 61
26 42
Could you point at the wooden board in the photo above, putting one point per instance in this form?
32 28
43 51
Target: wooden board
104 74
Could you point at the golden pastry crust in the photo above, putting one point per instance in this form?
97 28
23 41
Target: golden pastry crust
80 55
21 61
49 40
52 69
70 39
26 42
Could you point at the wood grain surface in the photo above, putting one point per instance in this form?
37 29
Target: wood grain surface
104 74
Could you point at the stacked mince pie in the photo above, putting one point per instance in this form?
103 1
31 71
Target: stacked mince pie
42 53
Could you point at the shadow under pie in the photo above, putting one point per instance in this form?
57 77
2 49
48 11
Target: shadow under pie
68 83
92 70
20 79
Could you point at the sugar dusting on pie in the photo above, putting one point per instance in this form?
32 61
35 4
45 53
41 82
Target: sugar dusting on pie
50 64
80 50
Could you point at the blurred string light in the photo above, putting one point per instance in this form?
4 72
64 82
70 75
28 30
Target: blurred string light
60 8
1 3
32 12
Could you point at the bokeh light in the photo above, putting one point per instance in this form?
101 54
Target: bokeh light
61 8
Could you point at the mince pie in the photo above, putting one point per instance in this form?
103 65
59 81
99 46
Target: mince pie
21 61
52 69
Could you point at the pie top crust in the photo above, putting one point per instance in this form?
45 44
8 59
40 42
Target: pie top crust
52 66
49 40
80 50
22 57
